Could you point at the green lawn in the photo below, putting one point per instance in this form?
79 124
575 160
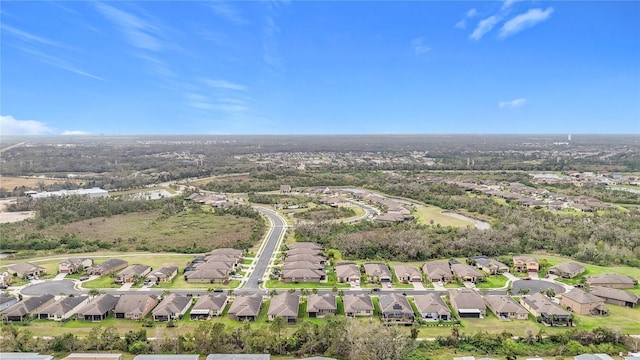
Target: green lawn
625 319
589 268
429 214
493 282
105 282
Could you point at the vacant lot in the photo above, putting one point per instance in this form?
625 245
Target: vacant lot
11 182
430 214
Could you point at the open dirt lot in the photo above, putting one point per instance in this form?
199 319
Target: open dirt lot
7 217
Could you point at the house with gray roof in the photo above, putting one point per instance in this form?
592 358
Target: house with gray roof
357 305
307 257
377 272
245 307
615 296
318 306
63 308
407 274
7 300
347 273
438 271
172 307
209 305
545 310
74 265
26 308
567 270
395 308
468 303
209 273
306 245
107 267
431 307
135 306
303 275
164 274
466 272
25 269
132 273
98 308
490 266
583 303
505 308
616 281
285 305
303 251
290 265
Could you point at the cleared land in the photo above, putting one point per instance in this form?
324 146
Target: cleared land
12 182
428 213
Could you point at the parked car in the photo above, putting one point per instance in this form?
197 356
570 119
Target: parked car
84 278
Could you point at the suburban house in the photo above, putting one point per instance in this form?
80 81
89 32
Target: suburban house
545 310
357 305
348 273
303 275
320 305
523 263
209 305
307 257
62 309
98 309
377 272
567 270
615 296
465 272
431 307
468 303
25 269
290 265
505 308
172 307
304 250
407 274
583 303
615 281
395 308
132 273
135 306
490 266
233 255
7 300
74 265
438 271
286 306
107 267
306 245
23 310
245 307
164 274
208 272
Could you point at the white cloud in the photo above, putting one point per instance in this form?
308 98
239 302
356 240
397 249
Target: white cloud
75 132
10 126
138 32
484 26
513 104
472 12
223 84
523 21
507 3
419 46
198 101
30 38
462 24
59 63
228 12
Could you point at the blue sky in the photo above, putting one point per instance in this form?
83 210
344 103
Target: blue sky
319 67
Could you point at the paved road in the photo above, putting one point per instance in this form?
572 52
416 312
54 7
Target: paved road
276 232
60 287
369 211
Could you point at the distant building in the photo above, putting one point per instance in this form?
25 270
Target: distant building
91 193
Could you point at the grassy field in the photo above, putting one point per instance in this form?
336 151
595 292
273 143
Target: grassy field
493 282
11 182
625 319
428 213
589 268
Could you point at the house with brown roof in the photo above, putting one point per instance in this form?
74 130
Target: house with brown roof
545 310
172 307
523 263
615 296
490 266
438 271
25 269
377 272
431 307
164 274
466 272
407 274
467 303
395 308
567 270
290 265
306 245
74 265
348 272
135 306
245 307
307 257
357 305
303 275
284 305
304 250
98 308
107 267
132 273
208 272
63 308
318 306
616 281
505 308
26 308
208 306
583 303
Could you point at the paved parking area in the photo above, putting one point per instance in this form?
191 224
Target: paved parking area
65 287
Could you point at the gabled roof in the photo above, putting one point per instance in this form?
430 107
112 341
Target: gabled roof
227 251
377 269
357 302
305 245
317 302
208 302
431 303
462 270
568 267
135 269
303 273
614 294
524 258
134 303
347 270
246 305
581 297
99 305
165 271
504 304
27 306
306 257
467 299
541 304
24 267
63 305
303 250
289 265
438 268
111 263
490 263
206 274
394 303
285 304
172 304
610 279
410 271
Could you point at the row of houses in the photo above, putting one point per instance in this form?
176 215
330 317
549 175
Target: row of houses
303 262
214 267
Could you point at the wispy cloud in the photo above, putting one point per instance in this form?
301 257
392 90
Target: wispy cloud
472 13
524 21
75 132
507 3
30 38
228 12
59 63
484 26
10 126
419 47
224 84
270 53
462 24
138 32
513 104
198 101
